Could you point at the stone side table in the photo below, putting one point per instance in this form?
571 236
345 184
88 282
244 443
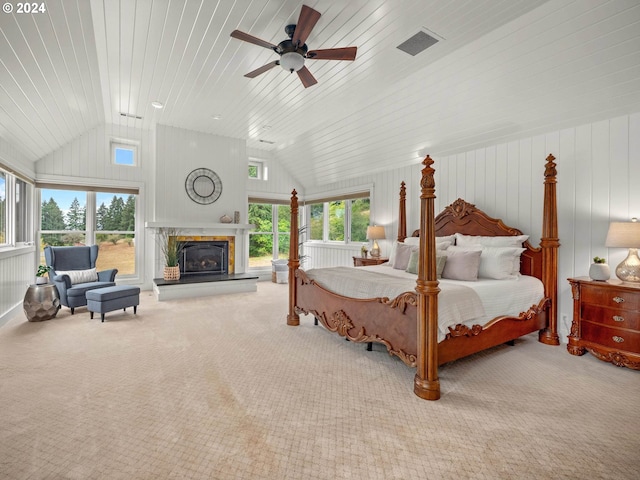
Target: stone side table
41 302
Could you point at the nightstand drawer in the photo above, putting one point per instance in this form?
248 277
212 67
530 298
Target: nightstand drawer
614 317
610 297
617 338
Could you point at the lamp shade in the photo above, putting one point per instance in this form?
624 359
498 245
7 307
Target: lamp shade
291 61
623 235
375 233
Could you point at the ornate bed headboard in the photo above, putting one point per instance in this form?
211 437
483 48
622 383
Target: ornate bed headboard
465 218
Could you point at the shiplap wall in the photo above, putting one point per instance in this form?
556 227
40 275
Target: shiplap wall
279 182
598 174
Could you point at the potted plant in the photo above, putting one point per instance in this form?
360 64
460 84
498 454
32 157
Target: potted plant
171 250
599 270
40 274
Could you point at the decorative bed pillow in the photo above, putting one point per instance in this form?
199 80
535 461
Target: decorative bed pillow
392 255
80 276
403 253
498 263
441 258
412 241
505 241
447 238
462 265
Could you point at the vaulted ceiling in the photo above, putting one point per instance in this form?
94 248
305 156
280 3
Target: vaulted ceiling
502 69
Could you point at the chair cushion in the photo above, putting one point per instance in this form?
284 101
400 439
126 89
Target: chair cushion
111 293
80 289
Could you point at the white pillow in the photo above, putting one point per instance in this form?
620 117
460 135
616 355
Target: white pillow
505 241
495 262
447 238
498 262
80 276
412 240
392 255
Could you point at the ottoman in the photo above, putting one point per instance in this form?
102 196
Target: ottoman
108 299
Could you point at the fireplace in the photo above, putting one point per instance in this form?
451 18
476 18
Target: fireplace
206 255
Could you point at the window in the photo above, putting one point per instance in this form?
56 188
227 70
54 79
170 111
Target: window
124 153
16 225
257 170
340 219
107 219
270 239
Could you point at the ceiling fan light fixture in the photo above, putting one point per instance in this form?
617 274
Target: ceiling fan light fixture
291 61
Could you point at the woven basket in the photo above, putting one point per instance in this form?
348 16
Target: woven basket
172 273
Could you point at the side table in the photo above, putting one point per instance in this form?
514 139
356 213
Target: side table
364 262
41 302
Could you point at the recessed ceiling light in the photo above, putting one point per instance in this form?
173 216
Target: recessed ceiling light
156 104
216 117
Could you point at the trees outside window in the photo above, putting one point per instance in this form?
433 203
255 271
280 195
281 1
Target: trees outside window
339 220
109 222
270 239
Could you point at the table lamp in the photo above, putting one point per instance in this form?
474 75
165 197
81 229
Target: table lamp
374 233
626 235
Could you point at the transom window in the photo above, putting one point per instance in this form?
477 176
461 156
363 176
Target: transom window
124 153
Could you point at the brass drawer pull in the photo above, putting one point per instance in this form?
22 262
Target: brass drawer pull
618 299
618 318
617 339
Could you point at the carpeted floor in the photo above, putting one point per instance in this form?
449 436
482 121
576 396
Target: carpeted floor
222 388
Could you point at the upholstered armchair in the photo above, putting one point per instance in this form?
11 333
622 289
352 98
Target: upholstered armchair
74 272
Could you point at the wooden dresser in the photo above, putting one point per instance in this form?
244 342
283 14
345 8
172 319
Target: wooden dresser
606 321
364 262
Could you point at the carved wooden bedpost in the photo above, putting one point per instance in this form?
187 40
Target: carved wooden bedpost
426 384
550 244
294 261
402 215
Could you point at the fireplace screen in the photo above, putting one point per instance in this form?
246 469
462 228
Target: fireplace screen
207 257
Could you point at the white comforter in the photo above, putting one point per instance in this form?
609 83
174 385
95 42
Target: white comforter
468 303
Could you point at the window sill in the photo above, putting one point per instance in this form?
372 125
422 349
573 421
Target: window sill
8 252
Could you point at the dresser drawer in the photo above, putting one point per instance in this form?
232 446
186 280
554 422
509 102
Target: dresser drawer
611 337
614 317
610 297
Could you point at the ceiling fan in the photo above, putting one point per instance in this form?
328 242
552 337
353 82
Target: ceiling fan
294 51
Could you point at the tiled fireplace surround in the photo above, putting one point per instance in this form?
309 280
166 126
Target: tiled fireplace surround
201 285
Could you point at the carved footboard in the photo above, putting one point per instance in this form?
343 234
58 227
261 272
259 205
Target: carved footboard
391 322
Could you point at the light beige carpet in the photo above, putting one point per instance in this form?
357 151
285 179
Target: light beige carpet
222 388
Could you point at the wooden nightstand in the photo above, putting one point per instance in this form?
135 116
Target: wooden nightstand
365 262
606 321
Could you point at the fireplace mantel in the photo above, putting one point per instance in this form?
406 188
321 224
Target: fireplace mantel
238 227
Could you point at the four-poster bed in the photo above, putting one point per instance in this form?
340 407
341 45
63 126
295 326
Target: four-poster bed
407 323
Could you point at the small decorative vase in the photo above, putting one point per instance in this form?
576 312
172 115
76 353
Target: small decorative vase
172 273
599 272
226 219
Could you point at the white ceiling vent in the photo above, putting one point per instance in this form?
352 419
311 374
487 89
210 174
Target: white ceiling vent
419 42
130 115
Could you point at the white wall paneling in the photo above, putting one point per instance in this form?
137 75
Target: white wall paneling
17 271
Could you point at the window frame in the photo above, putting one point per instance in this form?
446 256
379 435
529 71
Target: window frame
123 144
275 232
91 230
12 212
261 169
325 200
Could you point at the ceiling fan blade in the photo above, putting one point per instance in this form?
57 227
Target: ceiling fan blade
262 69
307 20
306 78
347 53
245 37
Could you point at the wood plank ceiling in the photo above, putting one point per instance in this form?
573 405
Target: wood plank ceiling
503 69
